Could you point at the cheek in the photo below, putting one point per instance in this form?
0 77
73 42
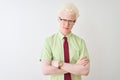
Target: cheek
61 25
71 27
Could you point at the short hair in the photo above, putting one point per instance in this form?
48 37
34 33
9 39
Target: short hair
70 8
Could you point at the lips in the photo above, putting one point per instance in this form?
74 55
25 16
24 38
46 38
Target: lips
66 28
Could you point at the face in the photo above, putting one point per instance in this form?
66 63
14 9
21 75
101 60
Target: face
66 22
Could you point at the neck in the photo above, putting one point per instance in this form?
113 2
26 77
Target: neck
65 34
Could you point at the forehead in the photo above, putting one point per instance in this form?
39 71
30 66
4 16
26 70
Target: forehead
67 15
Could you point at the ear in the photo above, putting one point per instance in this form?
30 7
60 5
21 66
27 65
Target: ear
58 19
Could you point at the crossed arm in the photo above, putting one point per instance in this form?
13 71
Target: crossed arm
80 68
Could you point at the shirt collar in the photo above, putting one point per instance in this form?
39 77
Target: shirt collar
61 35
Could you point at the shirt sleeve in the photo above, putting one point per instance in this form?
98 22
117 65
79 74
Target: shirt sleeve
46 52
83 51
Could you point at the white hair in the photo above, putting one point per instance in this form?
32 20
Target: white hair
70 8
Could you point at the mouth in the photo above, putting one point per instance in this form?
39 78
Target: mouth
66 28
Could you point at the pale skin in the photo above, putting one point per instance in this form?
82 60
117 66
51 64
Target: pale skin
82 65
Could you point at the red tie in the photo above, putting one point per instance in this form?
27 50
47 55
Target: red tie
67 76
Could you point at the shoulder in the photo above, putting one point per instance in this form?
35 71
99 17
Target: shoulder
51 38
78 40
76 37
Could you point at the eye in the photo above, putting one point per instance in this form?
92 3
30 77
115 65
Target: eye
60 19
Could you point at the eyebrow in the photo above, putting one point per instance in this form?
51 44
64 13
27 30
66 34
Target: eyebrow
67 20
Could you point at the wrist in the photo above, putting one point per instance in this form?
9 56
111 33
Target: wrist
60 64
57 64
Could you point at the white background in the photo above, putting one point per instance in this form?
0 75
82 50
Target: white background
24 25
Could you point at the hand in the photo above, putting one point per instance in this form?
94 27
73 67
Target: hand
83 61
55 63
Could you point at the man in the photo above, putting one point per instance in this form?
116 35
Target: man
64 55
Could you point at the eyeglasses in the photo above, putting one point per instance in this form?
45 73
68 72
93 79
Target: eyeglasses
69 21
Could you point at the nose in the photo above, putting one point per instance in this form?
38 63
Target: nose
66 23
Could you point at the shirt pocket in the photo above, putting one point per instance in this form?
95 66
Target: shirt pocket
57 54
74 55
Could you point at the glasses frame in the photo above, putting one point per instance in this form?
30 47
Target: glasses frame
69 21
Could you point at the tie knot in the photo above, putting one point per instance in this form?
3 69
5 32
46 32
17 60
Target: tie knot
65 38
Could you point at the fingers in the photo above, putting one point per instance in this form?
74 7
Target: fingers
55 63
83 61
83 58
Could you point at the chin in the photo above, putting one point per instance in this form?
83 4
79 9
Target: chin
64 31
67 32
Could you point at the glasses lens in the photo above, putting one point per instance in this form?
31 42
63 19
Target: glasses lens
65 20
